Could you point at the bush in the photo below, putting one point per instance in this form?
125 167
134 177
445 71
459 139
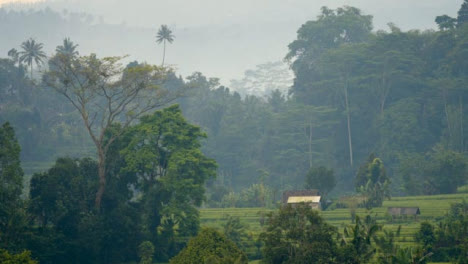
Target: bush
145 252
22 258
210 246
298 235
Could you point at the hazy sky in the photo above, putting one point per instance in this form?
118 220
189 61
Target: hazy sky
18 1
406 13
224 38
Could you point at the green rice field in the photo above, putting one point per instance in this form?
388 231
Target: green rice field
432 208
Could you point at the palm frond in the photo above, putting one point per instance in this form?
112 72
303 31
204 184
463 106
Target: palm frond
164 34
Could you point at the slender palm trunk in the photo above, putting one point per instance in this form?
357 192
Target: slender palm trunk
348 115
164 52
310 145
31 76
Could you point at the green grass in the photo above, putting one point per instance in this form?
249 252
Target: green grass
433 208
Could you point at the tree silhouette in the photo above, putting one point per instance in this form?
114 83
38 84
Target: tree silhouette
32 52
164 34
104 92
68 48
463 13
14 55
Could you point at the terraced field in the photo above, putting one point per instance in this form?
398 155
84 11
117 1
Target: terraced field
433 208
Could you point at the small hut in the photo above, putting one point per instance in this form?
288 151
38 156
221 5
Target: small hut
403 211
310 197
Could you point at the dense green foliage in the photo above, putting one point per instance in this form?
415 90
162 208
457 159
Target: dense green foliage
158 176
12 217
236 231
298 235
164 153
357 241
397 94
21 258
438 171
210 246
372 182
46 127
447 241
320 178
145 252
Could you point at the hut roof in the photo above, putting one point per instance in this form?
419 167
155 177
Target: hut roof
403 210
299 193
304 199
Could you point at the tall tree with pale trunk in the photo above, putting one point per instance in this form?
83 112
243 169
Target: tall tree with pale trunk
105 93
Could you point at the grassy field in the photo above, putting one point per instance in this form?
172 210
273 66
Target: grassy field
433 208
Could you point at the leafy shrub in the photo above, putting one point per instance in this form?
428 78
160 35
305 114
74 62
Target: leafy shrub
21 258
298 235
210 246
145 252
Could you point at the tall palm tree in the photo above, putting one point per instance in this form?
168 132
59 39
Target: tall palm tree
164 34
32 52
68 48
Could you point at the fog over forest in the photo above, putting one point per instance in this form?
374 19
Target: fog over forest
219 38
235 132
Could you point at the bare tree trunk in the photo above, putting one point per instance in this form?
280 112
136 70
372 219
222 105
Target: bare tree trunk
113 105
384 94
102 177
447 116
348 115
461 125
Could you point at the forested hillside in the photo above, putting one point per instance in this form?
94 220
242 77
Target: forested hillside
399 95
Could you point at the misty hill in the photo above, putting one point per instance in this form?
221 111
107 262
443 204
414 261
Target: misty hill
219 38
195 48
